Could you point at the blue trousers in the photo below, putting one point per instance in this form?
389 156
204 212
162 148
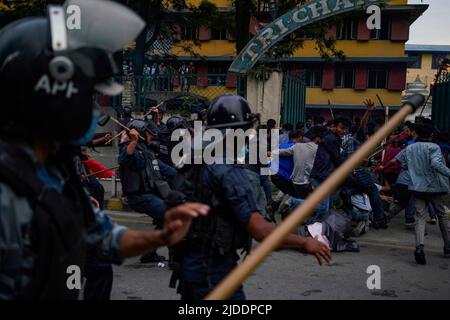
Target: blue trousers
325 205
361 180
265 182
150 204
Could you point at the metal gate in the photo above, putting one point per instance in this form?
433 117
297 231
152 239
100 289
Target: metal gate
294 100
441 103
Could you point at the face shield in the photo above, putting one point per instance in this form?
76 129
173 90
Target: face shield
104 25
90 32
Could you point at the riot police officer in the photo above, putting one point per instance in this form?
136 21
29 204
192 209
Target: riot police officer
144 177
166 143
210 251
48 75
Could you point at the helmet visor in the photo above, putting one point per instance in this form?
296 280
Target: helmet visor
100 24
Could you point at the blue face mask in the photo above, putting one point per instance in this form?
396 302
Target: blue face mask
89 135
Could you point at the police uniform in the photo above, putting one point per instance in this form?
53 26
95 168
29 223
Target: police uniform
25 272
211 248
140 174
208 259
49 75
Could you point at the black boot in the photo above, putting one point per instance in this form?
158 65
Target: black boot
152 257
419 255
447 251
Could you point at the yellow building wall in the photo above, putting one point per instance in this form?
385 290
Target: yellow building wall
426 72
351 96
351 48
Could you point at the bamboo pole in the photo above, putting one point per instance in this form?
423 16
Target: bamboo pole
157 106
115 137
101 171
229 285
125 127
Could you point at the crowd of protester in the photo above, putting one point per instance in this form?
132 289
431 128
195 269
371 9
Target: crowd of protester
160 76
409 173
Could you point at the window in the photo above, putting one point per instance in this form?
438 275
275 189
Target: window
347 31
190 33
438 58
217 75
377 79
219 34
313 78
417 64
263 6
345 78
382 34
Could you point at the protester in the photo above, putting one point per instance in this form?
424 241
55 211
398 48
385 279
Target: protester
304 155
328 158
361 179
284 134
285 165
429 183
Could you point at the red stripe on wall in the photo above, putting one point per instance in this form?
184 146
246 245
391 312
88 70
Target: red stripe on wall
400 30
361 74
204 33
202 80
328 78
363 31
397 79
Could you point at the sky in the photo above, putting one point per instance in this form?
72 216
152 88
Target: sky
433 27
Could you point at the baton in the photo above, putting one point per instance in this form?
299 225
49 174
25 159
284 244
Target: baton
386 119
115 137
101 171
157 106
125 127
331 109
229 285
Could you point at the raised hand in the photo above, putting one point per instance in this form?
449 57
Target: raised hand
179 219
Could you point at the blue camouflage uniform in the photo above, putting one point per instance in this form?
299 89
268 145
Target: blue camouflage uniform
150 203
202 269
16 217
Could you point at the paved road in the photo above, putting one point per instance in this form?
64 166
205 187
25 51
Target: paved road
291 275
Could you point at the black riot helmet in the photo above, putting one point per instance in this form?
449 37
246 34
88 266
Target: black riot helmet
230 111
127 112
143 126
176 122
50 67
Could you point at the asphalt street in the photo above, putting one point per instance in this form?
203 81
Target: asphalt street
295 276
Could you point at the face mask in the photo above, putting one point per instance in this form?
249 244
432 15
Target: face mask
89 135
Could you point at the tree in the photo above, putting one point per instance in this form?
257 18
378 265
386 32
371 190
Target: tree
166 18
318 31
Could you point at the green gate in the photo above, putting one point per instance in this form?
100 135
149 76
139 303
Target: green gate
294 99
441 103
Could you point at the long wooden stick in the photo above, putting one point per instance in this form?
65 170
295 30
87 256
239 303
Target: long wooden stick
229 285
115 137
157 106
331 109
386 119
125 127
101 171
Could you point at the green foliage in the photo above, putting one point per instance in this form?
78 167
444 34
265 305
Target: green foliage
13 10
184 104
